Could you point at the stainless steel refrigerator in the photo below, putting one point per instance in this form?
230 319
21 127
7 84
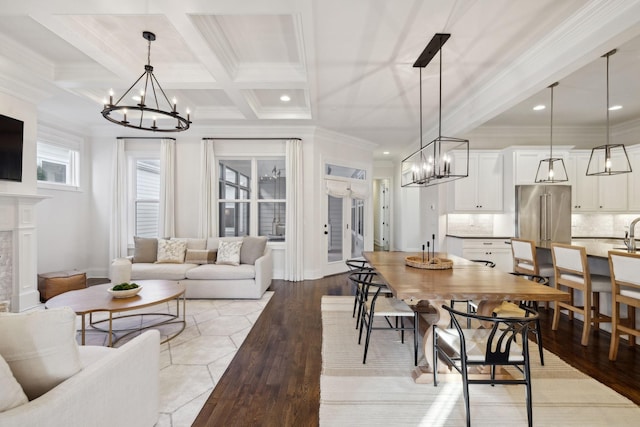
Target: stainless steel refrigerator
543 213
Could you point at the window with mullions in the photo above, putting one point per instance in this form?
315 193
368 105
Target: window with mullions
249 206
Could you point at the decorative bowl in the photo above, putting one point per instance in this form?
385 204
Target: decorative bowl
124 294
429 264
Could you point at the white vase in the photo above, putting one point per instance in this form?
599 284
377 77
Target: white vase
120 271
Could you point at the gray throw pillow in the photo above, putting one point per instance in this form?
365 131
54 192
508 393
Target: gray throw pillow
145 250
252 249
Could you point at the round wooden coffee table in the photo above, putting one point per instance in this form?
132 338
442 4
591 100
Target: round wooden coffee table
96 299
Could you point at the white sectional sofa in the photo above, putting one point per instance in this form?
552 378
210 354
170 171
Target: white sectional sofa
200 267
115 387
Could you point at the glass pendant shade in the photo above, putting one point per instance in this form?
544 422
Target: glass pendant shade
608 159
445 158
551 169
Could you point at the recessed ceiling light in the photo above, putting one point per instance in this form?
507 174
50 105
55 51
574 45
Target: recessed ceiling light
285 98
615 107
539 107
385 152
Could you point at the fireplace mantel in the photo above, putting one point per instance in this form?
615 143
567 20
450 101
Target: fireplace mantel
19 271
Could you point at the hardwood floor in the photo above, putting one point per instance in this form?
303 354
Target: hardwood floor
274 380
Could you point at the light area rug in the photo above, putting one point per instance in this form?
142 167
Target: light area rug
192 363
382 392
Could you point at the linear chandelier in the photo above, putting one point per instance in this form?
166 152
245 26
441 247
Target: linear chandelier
445 158
608 159
552 169
153 112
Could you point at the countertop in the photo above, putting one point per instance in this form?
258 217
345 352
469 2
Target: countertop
458 236
596 246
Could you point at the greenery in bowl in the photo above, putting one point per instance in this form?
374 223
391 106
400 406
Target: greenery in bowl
124 286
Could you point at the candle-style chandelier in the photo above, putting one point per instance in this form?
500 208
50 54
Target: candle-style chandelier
154 111
445 158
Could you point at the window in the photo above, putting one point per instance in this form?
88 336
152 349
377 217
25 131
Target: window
146 197
57 165
249 206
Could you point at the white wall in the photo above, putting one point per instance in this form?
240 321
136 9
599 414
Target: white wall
65 215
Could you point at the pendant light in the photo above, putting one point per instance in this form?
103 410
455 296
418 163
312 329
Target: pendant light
552 169
445 158
608 159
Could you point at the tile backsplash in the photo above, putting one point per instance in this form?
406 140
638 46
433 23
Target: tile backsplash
582 225
470 224
601 225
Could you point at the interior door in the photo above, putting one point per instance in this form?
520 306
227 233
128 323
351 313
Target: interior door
344 232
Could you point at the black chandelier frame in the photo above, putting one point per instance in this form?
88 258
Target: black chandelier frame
150 80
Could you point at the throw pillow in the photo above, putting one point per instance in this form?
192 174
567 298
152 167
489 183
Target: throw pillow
145 250
171 251
252 249
11 394
229 252
40 348
196 256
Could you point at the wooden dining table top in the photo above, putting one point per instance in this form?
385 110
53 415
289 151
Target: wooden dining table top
467 280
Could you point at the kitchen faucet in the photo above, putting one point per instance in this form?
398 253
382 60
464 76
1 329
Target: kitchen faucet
630 241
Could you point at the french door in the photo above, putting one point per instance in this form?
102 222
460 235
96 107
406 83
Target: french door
344 232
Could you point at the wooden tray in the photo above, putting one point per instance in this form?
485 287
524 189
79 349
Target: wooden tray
431 264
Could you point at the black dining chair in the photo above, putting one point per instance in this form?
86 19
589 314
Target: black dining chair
515 309
492 345
378 305
360 266
472 307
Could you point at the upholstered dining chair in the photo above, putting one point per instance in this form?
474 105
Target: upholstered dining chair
379 305
572 274
517 309
625 289
502 341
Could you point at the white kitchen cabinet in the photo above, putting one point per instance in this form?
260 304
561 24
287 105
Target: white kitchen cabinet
495 250
482 189
526 166
595 193
634 181
584 189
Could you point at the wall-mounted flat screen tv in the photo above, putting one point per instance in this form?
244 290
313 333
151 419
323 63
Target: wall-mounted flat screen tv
11 137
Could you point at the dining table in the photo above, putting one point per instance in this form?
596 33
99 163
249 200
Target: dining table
428 289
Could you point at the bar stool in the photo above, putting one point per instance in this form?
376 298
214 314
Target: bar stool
572 272
625 284
525 260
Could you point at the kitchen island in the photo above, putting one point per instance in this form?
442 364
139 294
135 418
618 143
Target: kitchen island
597 252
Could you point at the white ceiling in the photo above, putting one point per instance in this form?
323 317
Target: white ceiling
347 65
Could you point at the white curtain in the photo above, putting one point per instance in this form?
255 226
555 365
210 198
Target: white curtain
339 189
293 263
360 190
207 215
166 221
118 231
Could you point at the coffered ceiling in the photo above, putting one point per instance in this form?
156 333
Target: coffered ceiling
345 65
